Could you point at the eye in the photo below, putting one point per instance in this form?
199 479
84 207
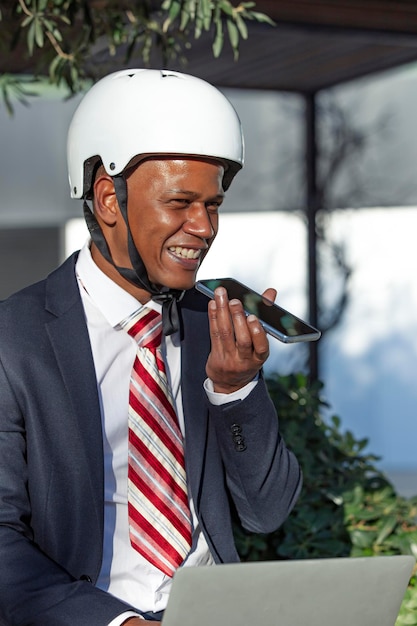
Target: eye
179 202
213 206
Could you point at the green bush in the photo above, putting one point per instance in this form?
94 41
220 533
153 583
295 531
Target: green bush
347 506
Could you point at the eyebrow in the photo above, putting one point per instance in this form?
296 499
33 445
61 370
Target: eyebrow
192 193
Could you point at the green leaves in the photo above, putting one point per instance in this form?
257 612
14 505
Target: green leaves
236 23
15 88
408 611
61 34
40 23
216 15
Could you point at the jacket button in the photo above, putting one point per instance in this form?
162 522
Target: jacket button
238 439
86 577
239 442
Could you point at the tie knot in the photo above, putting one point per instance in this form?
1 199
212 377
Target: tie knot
145 327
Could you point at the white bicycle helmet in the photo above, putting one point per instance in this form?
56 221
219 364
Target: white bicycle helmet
140 112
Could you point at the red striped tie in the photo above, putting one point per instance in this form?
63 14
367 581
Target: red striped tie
159 514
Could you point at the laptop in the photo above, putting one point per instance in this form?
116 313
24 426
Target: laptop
361 591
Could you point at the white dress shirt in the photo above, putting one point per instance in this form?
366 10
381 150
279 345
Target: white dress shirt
125 573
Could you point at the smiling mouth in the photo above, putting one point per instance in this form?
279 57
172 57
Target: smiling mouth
185 253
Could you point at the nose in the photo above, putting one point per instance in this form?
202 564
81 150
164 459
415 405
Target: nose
200 222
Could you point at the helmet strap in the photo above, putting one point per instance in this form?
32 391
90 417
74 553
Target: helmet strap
137 275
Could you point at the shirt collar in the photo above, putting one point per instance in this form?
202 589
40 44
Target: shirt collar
113 301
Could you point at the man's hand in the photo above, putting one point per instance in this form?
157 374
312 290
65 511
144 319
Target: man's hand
239 345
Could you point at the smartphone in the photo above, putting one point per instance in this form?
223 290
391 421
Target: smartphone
276 321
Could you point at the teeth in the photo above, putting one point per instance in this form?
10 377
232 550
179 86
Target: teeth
185 253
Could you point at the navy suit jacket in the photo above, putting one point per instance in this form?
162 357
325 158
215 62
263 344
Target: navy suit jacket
51 457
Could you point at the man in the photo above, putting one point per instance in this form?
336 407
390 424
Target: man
155 152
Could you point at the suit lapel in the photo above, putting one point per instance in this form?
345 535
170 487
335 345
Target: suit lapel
70 342
195 347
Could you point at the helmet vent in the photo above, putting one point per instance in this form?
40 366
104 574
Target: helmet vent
168 74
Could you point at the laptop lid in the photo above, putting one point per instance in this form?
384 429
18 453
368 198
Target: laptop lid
362 591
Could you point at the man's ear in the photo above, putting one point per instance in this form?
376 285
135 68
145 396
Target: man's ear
106 207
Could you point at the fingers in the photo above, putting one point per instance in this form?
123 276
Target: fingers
259 339
270 294
242 330
221 328
239 345
231 329
227 321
